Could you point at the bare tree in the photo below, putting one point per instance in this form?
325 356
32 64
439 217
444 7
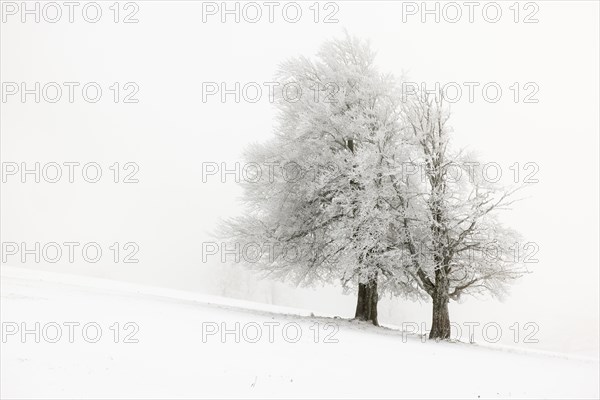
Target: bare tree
447 214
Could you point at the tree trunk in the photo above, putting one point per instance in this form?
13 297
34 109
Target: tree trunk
366 304
440 325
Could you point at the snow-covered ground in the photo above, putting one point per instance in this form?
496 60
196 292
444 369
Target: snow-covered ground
173 348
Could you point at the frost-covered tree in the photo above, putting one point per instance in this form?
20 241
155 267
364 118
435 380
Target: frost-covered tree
447 211
359 186
321 208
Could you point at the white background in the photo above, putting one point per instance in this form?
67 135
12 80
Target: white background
171 132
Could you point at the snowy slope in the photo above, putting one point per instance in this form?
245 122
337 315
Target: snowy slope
171 360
